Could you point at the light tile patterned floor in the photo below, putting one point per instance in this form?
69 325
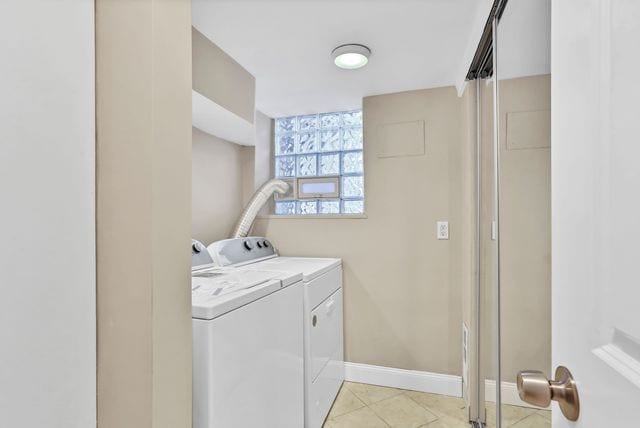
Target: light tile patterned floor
519 417
360 405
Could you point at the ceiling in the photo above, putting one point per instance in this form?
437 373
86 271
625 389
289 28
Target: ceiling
524 39
287 44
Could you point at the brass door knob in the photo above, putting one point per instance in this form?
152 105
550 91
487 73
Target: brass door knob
534 388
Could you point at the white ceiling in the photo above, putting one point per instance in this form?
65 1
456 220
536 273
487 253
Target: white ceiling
287 44
524 39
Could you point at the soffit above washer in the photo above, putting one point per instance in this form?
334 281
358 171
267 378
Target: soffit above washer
287 45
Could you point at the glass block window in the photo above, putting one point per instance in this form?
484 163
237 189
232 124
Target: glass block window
321 145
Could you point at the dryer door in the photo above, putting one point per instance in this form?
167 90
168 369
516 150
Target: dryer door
326 362
326 333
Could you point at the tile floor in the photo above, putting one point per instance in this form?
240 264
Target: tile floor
519 417
360 405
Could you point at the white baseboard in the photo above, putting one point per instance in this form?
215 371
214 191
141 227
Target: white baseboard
509 394
414 380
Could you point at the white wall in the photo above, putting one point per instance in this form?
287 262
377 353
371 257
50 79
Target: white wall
47 245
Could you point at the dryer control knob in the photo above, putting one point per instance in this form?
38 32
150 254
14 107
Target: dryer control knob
247 245
265 243
259 244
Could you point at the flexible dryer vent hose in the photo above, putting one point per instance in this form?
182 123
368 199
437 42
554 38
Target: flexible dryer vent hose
259 198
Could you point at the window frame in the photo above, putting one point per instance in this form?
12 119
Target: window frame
301 181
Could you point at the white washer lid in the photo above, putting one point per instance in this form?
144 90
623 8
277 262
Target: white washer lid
310 267
287 277
212 296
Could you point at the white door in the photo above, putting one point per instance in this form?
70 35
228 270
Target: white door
596 206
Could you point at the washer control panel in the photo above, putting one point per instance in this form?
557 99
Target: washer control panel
199 255
241 250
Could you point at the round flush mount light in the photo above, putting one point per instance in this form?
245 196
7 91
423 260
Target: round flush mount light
351 56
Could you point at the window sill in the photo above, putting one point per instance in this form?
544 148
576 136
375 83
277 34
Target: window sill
314 217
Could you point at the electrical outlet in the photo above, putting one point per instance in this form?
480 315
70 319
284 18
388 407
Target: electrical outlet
443 230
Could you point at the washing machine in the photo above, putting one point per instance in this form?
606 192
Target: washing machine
322 314
248 348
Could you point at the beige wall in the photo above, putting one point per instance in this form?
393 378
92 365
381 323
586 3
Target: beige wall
223 172
416 322
248 165
471 394
488 248
143 155
525 217
402 286
220 78
263 165
218 186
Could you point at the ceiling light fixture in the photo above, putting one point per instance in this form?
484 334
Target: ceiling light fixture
351 56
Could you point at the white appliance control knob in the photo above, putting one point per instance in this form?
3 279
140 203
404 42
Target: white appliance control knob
247 245
197 247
